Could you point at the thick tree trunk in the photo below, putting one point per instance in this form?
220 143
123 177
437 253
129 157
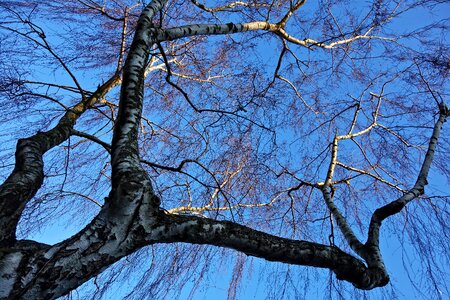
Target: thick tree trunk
131 217
31 270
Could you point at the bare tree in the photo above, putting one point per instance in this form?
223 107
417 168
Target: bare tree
283 130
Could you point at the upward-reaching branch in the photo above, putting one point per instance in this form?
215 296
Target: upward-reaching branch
131 217
419 187
291 11
125 154
28 174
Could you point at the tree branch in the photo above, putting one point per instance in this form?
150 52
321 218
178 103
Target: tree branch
171 34
419 187
223 7
252 242
125 153
28 174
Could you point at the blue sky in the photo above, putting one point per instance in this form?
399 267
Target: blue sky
255 286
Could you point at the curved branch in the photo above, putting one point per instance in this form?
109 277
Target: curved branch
419 187
111 236
28 174
195 230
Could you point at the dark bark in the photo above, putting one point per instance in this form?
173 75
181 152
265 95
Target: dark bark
132 218
28 174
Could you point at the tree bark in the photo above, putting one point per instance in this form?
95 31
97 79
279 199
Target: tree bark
132 218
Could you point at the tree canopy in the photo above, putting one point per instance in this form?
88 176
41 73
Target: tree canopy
175 137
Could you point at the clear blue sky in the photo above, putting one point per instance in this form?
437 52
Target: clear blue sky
255 287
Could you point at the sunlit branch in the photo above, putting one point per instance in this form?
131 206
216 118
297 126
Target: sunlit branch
327 192
210 208
123 40
296 6
201 110
298 94
332 45
214 195
398 136
327 189
368 173
230 28
211 29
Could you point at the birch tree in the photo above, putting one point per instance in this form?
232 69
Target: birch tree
289 131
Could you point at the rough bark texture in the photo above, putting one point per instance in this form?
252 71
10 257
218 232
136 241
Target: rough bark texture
132 218
27 176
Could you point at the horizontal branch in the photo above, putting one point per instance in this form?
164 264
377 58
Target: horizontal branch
211 29
195 230
224 7
171 34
